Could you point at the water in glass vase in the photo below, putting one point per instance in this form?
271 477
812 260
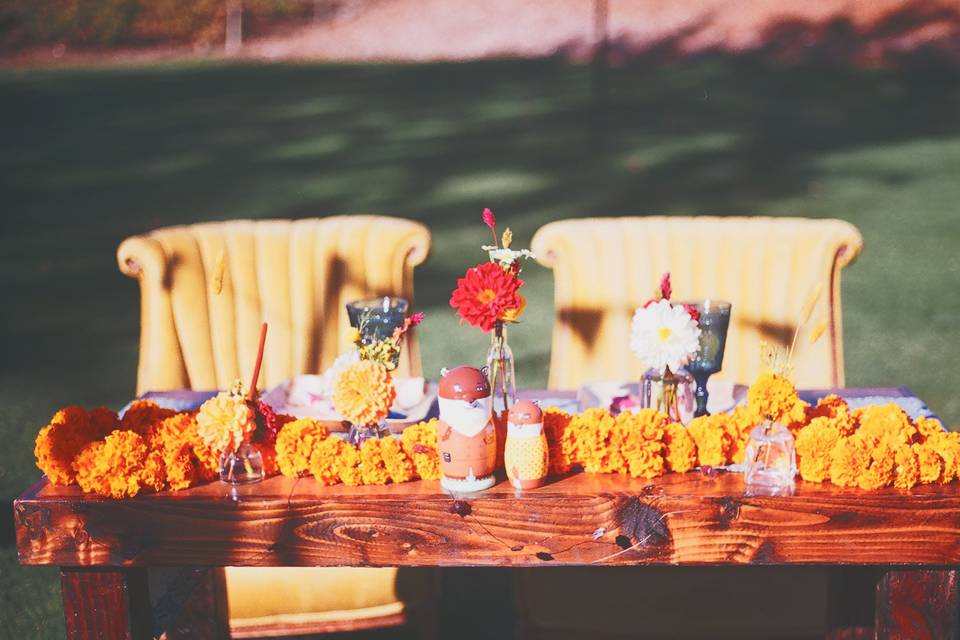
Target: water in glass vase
770 461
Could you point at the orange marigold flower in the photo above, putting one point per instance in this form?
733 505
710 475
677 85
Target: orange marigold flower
886 422
224 422
555 423
325 460
931 464
154 474
419 441
739 423
349 466
648 424
143 414
70 430
906 471
295 444
774 396
399 466
364 392
834 409
927 427
849 458
814 444
882 468
714 444
947 444
644 458
587 440
112 467
372 467
680 449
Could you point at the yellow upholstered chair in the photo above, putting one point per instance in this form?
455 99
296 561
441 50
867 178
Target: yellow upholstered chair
603 269
297 276
766 267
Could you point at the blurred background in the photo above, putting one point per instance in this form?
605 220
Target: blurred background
119 116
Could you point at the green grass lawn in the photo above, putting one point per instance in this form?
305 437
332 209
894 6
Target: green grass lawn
88 157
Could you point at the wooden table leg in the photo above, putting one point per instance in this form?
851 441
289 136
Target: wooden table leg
106 604
851 592
918 604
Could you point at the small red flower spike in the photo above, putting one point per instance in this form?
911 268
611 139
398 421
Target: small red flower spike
665 289
490 219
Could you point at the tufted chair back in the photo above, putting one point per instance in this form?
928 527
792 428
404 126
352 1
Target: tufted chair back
766 267
297 275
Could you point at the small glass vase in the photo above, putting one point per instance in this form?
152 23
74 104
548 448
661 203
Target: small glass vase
243 466
500 370
669 392
770 461
362 432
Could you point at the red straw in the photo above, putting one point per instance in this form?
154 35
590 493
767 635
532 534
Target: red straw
256 367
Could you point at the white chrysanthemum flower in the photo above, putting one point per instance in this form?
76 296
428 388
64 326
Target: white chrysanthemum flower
663 335
507 256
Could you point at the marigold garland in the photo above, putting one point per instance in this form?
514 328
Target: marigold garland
114 466
420 444
70 430
295 445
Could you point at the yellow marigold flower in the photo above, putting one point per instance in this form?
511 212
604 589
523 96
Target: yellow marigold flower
774 396
645 459
882 468
849 458
372 467
814 444
143 414
714 444
70 430
886 422
349 466
325 460
587 441
931 464
399 466
224 421
364 392
927 427
947 444
154 474
835 409
295 444
906 471
112 467
679 447
419 441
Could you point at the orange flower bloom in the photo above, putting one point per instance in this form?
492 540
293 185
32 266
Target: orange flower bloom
774 396
349 466
419 441
714 444
814 444
114 466
927 427
644 458
398 465
295 444
834 409
364 392
70 430
947 444
372 467
931 464
224 422
906 471
849 458
325 460
680 449
143 414
882 469
885 423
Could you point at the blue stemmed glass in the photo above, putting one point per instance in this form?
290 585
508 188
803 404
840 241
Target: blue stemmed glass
377 318
714 322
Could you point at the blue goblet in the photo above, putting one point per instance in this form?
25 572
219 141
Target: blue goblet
377 318
714 322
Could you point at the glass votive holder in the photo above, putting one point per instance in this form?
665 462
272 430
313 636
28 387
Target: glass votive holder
377 318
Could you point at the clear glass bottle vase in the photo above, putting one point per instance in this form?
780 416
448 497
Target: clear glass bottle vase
242 466
500 370
669 392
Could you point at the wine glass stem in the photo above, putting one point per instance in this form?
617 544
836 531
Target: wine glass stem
701 394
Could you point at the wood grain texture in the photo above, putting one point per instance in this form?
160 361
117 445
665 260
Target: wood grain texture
918 604
106 605
579 519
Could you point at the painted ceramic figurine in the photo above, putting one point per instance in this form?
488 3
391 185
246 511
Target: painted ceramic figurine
467 438
526 451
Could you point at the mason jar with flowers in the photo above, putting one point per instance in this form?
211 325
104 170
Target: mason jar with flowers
665 337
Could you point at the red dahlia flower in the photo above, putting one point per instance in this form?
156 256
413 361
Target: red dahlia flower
484 293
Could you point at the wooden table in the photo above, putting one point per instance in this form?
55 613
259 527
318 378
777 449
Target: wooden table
910 540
